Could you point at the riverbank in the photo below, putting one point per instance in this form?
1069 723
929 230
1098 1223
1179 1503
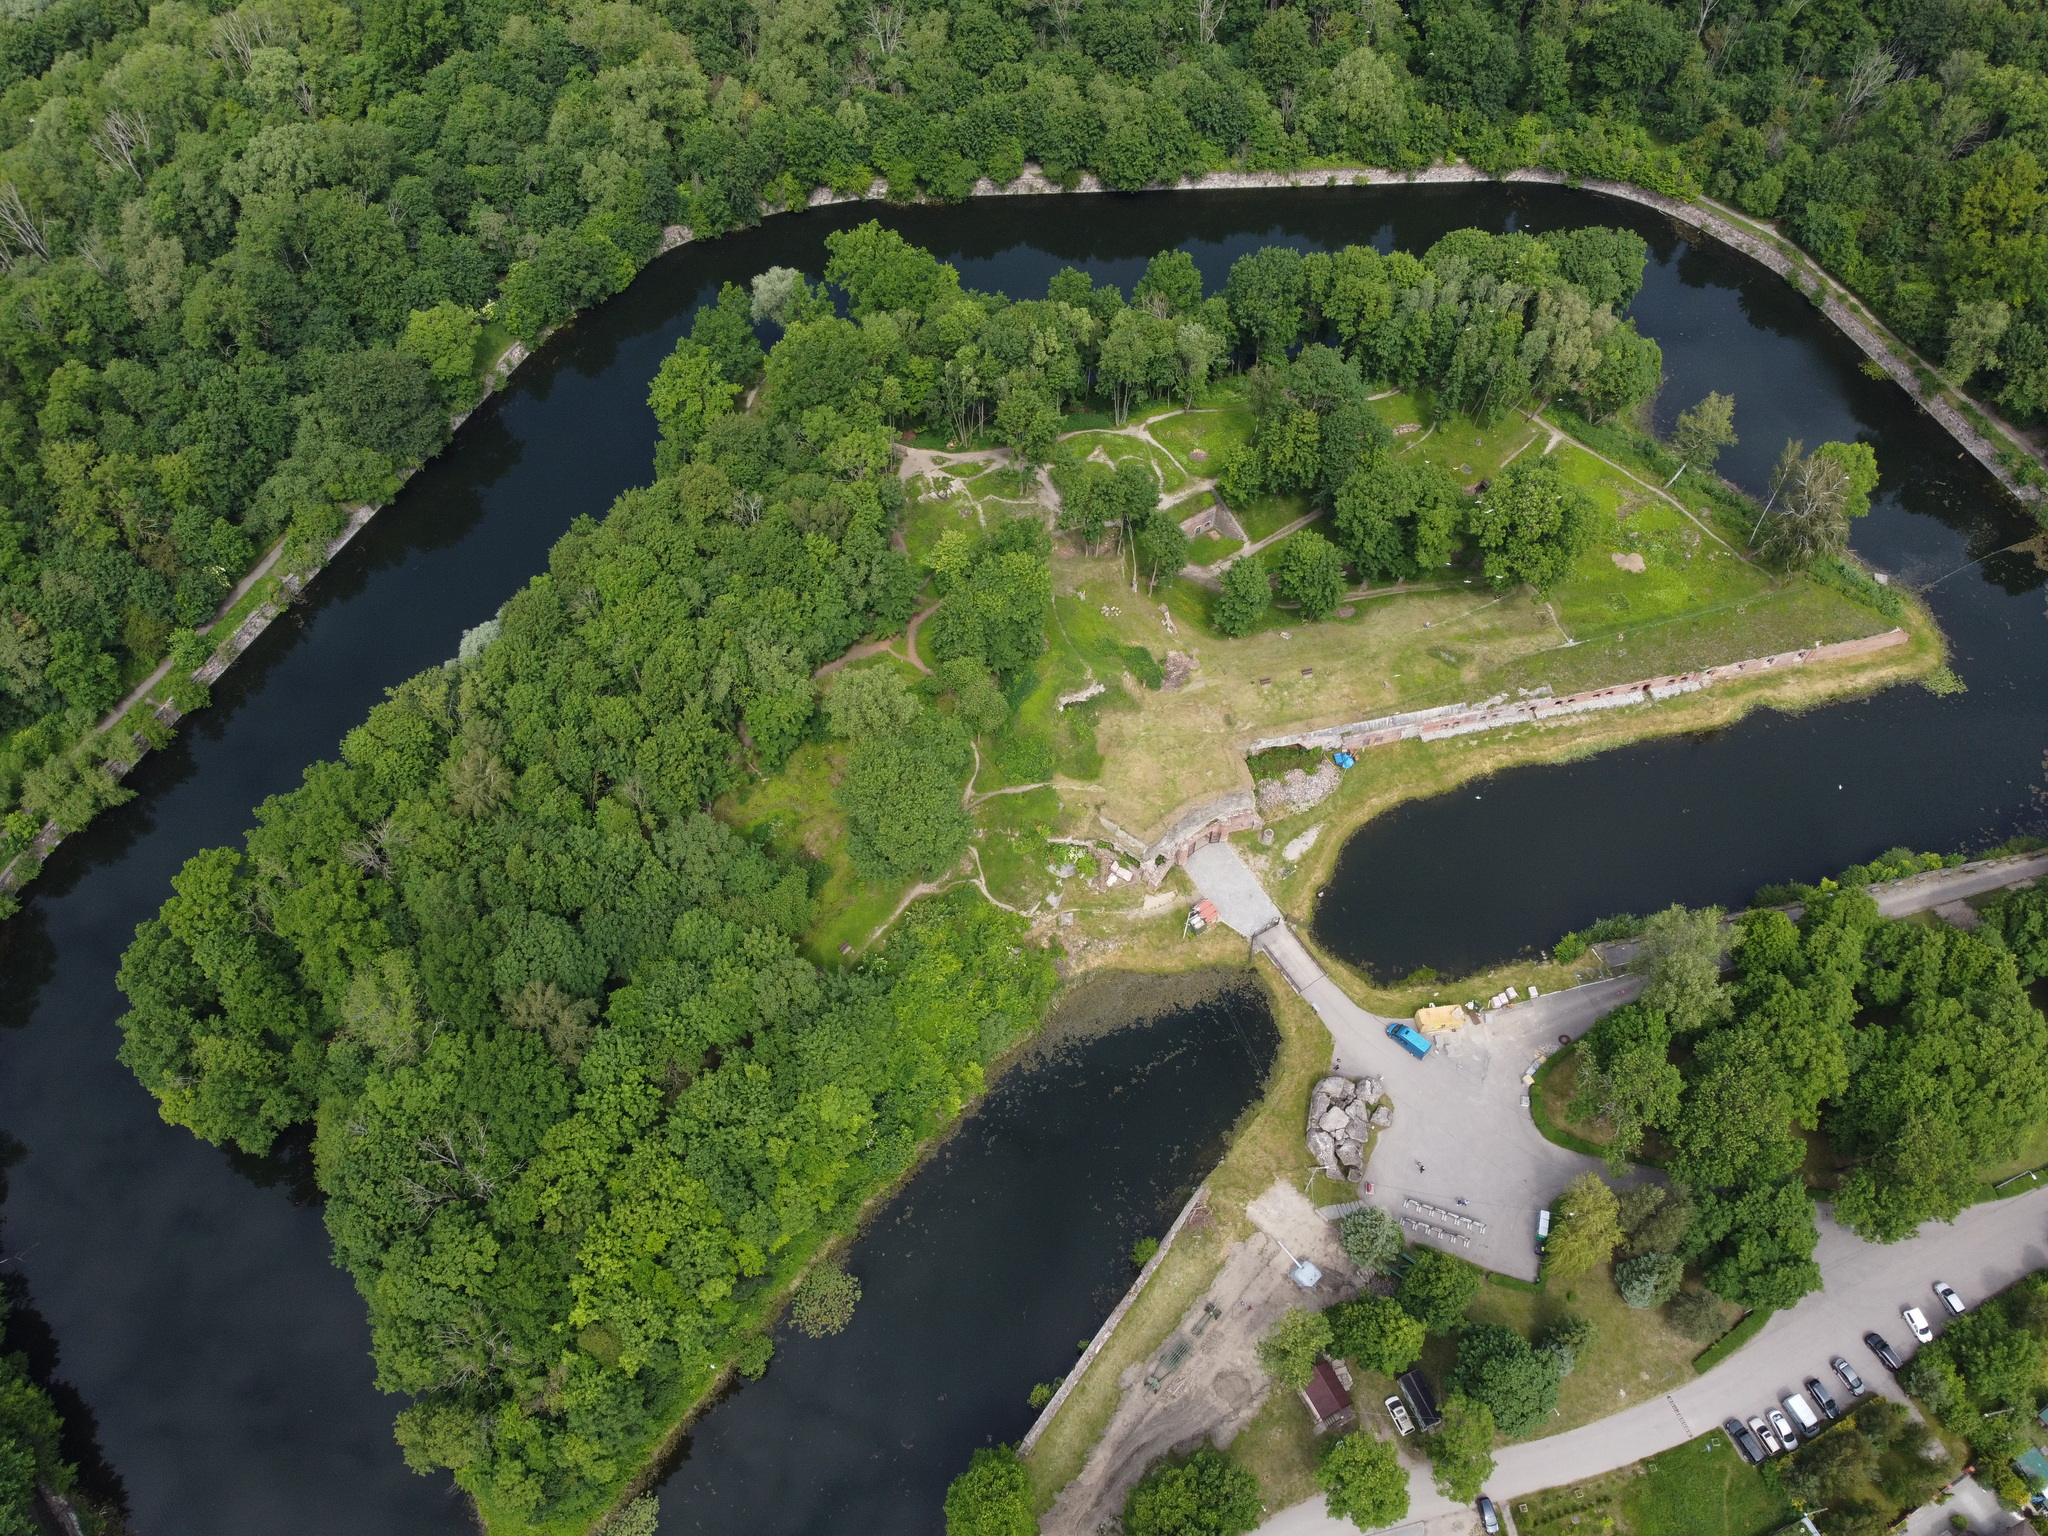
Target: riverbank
1998 448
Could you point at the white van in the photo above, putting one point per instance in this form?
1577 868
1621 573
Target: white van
1802 1415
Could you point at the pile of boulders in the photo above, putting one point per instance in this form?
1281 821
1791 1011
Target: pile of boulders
1297 791
1342 1115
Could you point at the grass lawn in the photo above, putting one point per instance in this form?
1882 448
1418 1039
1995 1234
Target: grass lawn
1211 430
1636 1355
1280 1447
1701 1488
1208 548
1469 451
1263 516
796 809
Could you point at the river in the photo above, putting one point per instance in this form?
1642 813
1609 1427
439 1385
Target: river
213 1363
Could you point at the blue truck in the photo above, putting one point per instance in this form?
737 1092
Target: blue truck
1411 1039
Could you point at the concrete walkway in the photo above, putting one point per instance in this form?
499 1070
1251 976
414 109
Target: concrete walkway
1241 902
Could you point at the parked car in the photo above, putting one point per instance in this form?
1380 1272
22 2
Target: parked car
1949 1298
1398 1412
1882 1350
1542 1228
1762 1431
1410 1039
1848 1374
1821 1395
1802 1414
1743 1441
1917 1321
1783 1426
1488 1516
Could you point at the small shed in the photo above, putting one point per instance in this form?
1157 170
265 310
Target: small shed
2033 1466
1329 1404
1202 914
1447 1016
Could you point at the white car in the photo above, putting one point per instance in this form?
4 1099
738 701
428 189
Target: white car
1949 1298
1917 1321
1398 1412
1784 1428
1763 1433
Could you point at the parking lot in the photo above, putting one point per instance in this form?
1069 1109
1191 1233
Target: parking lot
1864 1286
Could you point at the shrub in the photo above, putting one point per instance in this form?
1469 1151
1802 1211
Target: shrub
825 1301
1697 1315
1649 1279
1143 1250
1372 1239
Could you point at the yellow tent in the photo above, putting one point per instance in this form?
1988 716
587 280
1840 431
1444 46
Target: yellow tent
1432 1019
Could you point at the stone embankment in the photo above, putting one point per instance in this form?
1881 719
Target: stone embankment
1447 720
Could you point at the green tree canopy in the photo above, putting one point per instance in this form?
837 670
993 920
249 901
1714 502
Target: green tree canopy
1376 1334
1246 598
1363 1481
1205 1495
1311 573
1437 1288
1293 1344
1532 523
1498 1368
1372 1239
992 1497
1460 1450
1585 1229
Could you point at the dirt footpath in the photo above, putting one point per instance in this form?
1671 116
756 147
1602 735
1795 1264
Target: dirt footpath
1205 1382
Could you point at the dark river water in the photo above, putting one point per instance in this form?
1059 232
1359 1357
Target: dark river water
213 1363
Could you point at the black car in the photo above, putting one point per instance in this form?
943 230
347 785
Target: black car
1821 1395
1883 1351
1745 1442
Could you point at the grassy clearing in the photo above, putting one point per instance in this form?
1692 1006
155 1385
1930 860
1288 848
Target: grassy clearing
1264 1146
1701 1488
1635 1356
1280 1447
1468 450
796 814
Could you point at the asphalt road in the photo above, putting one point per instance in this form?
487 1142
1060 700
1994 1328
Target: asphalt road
1864 1286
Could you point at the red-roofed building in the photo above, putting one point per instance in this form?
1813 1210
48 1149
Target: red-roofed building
1202 914
1328 1398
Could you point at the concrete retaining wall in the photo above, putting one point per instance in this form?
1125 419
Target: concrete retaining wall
1109 1326
1465 719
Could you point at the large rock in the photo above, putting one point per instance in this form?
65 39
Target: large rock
1368 1089
1351 1154
1334 1120
1383 1116
1359 1125
1338 1090
1322 1146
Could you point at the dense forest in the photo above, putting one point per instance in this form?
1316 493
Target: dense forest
583 1109
255 257
1909 1052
